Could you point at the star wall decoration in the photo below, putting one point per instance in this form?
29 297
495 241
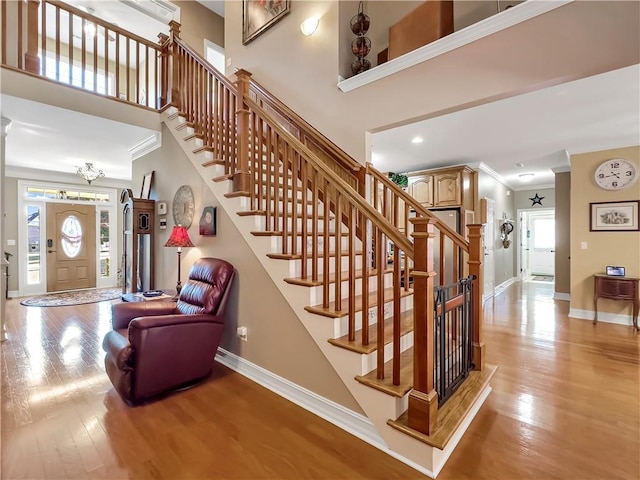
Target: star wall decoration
536 200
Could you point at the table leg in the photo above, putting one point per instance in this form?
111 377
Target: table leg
636 308
595 309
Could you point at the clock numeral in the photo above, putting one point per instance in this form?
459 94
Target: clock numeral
601 175
614 184
628 173
615 165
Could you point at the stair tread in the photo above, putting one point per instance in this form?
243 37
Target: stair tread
406 326
307 282
298 256
386 384
452 413
222 178
330 311
209 163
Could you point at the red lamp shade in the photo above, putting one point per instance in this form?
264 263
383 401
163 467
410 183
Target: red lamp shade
179 237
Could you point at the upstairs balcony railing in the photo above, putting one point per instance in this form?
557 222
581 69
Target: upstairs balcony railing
68 45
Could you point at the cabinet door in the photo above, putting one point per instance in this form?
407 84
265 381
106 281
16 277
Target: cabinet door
422 190
447 190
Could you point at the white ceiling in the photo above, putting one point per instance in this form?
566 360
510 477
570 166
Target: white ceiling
54 139
534 129
216 6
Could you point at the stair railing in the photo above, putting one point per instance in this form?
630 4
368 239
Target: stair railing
64 44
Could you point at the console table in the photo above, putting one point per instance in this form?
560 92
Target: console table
617 288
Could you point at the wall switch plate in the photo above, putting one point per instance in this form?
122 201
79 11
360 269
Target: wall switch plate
163 224
162 208
583 245
11 243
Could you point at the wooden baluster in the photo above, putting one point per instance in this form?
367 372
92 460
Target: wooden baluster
241 175
57 42
128 67
163 88
381 260
476 253
442 265
147 60
106 61
325 250
352 272
365 280
423 399
31 60
337 248
396 315
70 48
43 38
293 189
174 61
305 216
95 58
314 224
271 171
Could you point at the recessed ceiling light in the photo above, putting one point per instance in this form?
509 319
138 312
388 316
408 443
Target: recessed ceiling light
519 165
417 140
525 177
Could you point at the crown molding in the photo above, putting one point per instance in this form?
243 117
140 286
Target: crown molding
5 126
148 145
534 187
477 31
563 169
487 169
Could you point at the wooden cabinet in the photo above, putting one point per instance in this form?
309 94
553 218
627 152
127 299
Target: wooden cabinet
443 187
422 190
137 243
617 288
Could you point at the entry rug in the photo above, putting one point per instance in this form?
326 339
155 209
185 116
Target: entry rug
73 298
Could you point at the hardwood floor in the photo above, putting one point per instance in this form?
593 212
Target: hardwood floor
565 404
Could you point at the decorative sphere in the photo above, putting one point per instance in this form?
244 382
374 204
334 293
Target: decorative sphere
359 66
361 46
360 24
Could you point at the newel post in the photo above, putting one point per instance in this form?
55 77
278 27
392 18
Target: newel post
173 75
242 177
31 60
476 254
423 399
163 41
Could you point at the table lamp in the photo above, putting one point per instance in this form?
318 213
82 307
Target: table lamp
179 238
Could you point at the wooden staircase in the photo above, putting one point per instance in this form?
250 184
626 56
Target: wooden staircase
324 227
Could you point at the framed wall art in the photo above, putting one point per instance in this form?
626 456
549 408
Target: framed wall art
260 15
614 216
147 179
208 222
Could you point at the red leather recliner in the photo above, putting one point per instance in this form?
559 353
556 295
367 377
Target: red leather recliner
157 346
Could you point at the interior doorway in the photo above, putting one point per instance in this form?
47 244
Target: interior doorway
214 55
487 208
537 245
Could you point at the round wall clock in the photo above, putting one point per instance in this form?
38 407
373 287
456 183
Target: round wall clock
183 206
616 174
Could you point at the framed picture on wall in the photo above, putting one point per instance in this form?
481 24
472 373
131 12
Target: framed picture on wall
260 15
147 179
208 221
614 216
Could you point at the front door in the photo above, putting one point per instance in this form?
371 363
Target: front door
71 246
543 251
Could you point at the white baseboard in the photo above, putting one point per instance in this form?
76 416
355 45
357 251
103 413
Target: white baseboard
348 420
605 317
13 294
561 296
503 286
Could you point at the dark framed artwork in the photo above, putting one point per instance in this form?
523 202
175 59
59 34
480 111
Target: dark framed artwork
614 216
147 180
260 15
208 221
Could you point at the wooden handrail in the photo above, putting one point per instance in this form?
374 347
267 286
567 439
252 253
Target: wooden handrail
205 65
99 21
372 214
340 155
420 210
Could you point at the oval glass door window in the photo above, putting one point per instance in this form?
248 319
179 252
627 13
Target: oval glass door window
71 231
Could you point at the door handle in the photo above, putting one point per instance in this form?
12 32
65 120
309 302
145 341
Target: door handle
50 251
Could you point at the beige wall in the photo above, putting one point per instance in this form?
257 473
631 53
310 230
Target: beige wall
277 341
521 198
563 233
198 23
504 258
303 71
603 248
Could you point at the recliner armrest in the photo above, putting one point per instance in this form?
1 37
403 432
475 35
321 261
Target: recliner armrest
118 348
123 313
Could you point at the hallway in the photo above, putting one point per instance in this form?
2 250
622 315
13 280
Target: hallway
565 404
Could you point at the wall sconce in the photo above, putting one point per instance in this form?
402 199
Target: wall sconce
309 26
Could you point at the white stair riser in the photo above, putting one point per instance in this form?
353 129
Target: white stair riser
341 325
295 266
277 243
315 293
369 362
